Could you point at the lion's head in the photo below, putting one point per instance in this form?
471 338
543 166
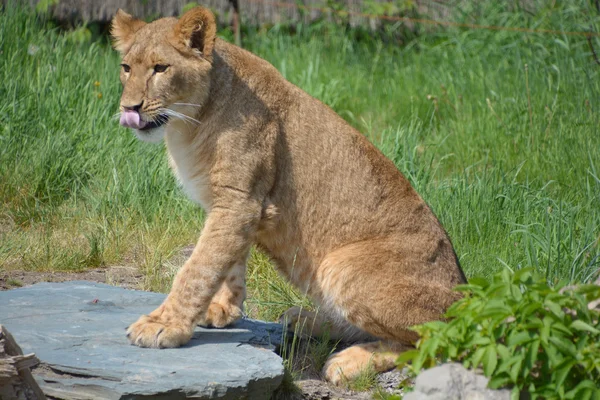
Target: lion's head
165 70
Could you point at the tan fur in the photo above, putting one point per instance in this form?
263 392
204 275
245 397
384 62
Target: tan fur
348 363
277 168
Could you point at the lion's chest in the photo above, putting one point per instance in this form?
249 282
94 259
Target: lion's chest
192 173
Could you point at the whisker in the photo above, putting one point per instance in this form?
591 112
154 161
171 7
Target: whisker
182 118
175 114
187 104
179 115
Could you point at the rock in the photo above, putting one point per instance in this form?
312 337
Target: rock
453 382
390 381
77 330
316 389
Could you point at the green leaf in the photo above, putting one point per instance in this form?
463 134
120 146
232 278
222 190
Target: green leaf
477 356
406 357
577 392
504 365
515 393
545 330
479 281
584 340
529 308
532 355
497 289
523 275
495 312
490 360
494 308
558 326
555 308
435 325
499 381
516 294
418 361
546 392
430 346
582 326
518 338
503 351
453 332
459 308
560 373
533 322
467 288
477 340
552 354
516 368
564 346
587 394
452 352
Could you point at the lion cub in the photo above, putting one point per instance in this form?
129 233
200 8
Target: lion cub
274 167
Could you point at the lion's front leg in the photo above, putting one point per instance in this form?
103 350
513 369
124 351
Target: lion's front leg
221 251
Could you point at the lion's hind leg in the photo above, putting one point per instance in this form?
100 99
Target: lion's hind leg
384 287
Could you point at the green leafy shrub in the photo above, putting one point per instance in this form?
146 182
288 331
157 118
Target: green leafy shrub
537 339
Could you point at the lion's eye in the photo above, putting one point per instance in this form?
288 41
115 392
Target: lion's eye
126 67
160 68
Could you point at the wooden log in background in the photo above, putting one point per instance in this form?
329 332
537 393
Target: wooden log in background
253 12
16 381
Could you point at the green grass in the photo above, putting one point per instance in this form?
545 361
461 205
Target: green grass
514 185
14 282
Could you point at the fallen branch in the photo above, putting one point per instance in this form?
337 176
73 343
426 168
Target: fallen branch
16 381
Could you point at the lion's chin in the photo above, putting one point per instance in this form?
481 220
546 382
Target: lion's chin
155 135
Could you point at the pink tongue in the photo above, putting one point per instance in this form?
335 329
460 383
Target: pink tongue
131 119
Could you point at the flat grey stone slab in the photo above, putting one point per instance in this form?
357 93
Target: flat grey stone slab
77 330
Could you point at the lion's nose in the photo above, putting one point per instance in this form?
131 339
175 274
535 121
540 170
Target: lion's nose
135 108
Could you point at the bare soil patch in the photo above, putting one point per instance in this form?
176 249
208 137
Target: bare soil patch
127 277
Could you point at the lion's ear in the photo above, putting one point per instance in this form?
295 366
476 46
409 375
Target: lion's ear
123 29
197 30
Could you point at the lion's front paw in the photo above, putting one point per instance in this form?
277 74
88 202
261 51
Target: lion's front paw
151 331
